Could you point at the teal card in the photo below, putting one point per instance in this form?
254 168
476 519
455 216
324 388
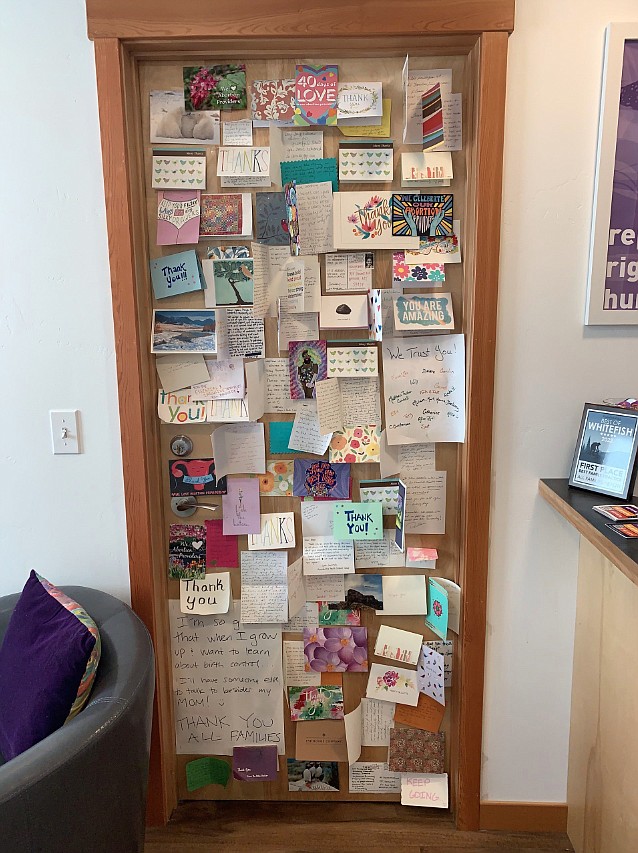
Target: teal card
436 619
310 172
358 520
279 436
175 274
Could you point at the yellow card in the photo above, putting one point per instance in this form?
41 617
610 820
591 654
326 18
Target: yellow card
378 131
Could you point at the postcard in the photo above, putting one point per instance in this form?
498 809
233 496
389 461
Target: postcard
346 311
205 597
233 282
352 360
430 790
360 104
255 763
272 101
321 479
366 161
355 445
363 220
437 615
324 555
385 492
423 312
264 587
392 684
618 512
427 215
237 132
322 702
240 506
176 372
427 715
365 591
277 531
278 479
172 125
424 274
379 131
310 171
316 94
227 215
179 170
221 551
626 529
271 223
215 87
192 477
307 362
432 118
312 775
402 646
183 331
186 551
404 595
430 166
178 213
336 649
172 275
414 751
430 674
349 271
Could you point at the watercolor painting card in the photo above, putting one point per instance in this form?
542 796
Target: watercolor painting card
307 364
277 531
178 213
225 215
423 312
334 613
423 215
312 775
430 674
366 161
323 702
415 751
336 649
233 282
392 684
316 94
352 360
363 220
192 477
272 101
271 222
172 275
420 273
321 479
360 104
178 170
402 646
278 479
183 331
346 311
186 551
365 591
172 125
429 166
215 87
240 506
358 444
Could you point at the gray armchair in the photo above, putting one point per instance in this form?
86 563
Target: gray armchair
84 787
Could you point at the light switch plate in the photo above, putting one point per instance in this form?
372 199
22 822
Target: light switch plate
65 431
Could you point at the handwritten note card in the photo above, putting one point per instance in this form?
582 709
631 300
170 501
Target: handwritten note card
277 531
211 595
214 712
306 435
376 721
425 789
239 449
264 587
323 555
424 389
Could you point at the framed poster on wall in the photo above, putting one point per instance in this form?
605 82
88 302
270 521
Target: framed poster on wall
612 293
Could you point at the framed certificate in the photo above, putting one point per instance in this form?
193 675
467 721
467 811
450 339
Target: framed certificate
605 455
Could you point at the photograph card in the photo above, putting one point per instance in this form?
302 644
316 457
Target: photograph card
172 125
215 87
186 551
312 775
183 331
604 459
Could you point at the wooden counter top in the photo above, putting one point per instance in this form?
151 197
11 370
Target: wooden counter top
576 506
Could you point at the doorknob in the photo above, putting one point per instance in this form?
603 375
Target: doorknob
185 507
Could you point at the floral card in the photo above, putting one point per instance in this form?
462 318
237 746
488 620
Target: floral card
178 170
415 751
323 702
307 364
360 104
363 220
423 312
272 100
186 551
336 649
437 616
361 444
366 161
316 94
392 684
424 273
215 87
346 360
331 613
426 215
321 479
278 479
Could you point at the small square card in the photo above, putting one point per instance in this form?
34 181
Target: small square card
346 311
358 521
366 161
336 649
352 360
365 591
172 275
178 170
307 361
172 125
192 477
233 282
224 216
215 87
427 215
414 751
392 684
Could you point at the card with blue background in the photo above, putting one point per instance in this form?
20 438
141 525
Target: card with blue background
172 275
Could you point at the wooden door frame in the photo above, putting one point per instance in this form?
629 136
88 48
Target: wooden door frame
126 31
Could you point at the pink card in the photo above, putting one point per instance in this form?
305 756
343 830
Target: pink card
240 506
221 551
178 213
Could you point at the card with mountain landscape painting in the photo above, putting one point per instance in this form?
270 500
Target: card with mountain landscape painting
184 331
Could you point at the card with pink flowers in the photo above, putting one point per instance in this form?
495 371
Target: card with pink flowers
392 684
361 444
336 649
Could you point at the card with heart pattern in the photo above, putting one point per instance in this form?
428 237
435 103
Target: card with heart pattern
352 361
187 551
366 161
386 495
179 170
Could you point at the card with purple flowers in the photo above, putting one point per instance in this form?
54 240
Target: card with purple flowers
335 649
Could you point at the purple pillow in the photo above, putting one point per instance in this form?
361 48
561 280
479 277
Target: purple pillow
42 661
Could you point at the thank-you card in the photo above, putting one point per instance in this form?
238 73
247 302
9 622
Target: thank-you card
175 274
363 220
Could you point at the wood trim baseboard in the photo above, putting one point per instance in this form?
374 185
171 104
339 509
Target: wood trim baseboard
524 817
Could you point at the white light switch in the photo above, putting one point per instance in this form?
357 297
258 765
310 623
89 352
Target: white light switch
65 431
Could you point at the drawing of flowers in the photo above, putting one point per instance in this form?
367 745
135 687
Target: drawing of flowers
391 679
266 482
437 608
401 271
436 275
336 649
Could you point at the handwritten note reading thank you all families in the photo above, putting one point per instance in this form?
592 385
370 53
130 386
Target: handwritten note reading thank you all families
424 389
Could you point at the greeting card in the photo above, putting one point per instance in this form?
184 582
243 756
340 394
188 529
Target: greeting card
277 530
215 87
272 101
335 614
430 166
358 521
192 477
175 274
178 213
179 170
171 124
423 274
307 363
437 616
366 161
432 118
271 221
365 591
221 551
233 282
392 684
186 551
321 479
335 649
393 643
323 702
421 215
278 479
361 444
346 311
385 492
316 94
415 751
430 675
352 360
363 220
255 763
369 131
359 104
418 311
226 215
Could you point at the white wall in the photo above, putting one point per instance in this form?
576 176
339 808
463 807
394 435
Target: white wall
56 351
548 365
62 515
